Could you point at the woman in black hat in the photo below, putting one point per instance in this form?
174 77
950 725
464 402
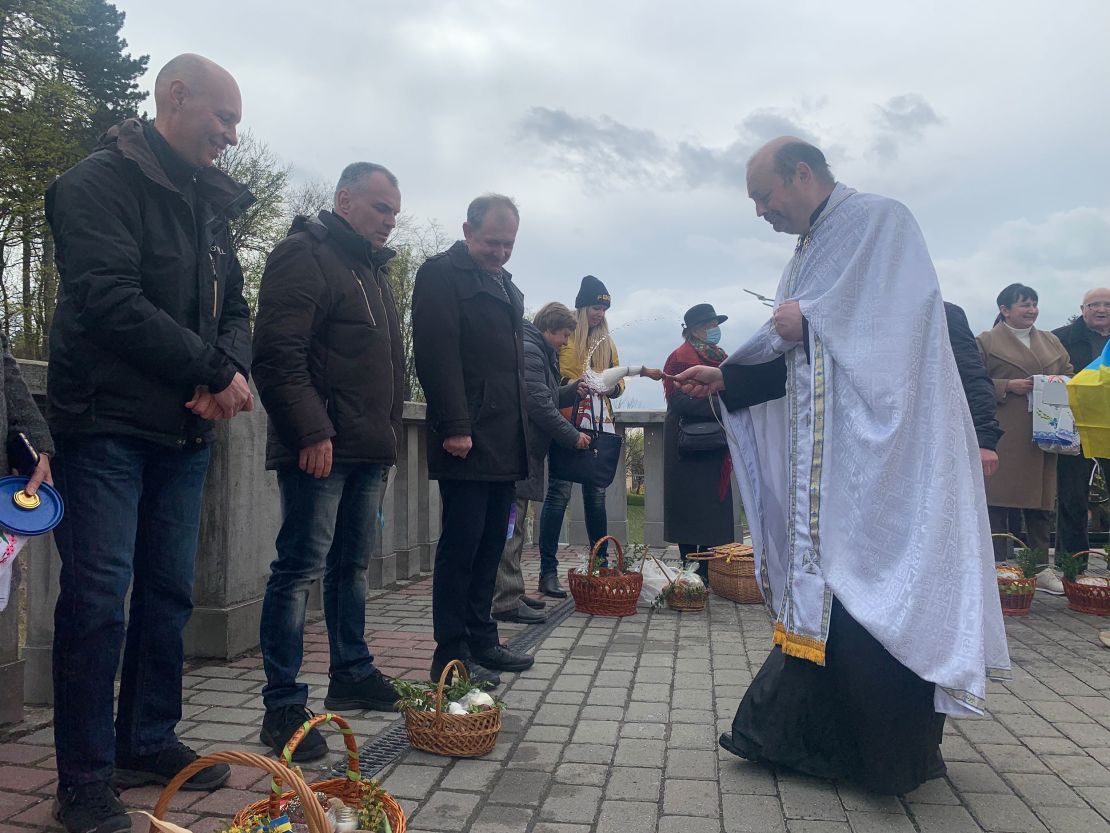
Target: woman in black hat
590 345
697 468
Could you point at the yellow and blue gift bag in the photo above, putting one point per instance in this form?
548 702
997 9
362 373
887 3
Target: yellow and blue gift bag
1089 395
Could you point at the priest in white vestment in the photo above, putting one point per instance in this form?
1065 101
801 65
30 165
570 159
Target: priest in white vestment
859 470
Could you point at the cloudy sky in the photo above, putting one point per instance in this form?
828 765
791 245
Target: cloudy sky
622 129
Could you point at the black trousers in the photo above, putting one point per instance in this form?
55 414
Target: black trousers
475 519
1073 477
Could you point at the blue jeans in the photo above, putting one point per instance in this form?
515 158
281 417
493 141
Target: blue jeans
551 520
132 512
329 528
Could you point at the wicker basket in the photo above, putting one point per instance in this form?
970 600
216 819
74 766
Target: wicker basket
349 789
452 735
1016 595
677 602
610 592
1087 598
732 573
314 813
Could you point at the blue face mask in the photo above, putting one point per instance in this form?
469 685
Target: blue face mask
713 335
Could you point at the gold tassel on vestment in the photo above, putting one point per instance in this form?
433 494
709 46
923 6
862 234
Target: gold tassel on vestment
802 647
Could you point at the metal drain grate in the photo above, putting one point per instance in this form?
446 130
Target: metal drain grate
382 749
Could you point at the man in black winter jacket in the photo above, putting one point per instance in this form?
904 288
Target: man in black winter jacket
467 342
329 367
1084 339
149 343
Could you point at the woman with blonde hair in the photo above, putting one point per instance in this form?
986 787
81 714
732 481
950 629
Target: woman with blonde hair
590 347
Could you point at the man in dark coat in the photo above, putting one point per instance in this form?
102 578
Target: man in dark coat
977 385
150 341
467 331
1084 339
329 366
549 331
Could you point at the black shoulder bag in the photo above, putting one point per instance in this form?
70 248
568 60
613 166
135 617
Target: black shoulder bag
595 465
702 435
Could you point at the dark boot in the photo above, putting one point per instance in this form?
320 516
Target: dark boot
473 672
535 604
161 767
375 692
523 614
91 808
278 727
500 658
549 586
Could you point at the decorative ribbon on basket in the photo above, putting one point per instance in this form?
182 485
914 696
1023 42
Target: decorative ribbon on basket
452 735
732 572
1015 590
314 814
349 789
608 593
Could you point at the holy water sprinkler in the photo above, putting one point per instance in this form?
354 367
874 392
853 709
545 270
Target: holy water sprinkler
767 302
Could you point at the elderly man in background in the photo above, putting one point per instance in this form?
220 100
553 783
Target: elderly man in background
329 366
860 471
467 338
149 343
1084 339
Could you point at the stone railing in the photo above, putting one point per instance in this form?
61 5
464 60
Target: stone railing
240 522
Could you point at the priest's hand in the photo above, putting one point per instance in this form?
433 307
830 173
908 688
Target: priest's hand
990 461
700 381
787 319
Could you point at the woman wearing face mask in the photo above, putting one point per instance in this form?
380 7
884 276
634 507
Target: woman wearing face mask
1013 352
591 340
697 468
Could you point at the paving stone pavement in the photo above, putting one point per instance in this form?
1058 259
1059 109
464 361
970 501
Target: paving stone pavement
615 727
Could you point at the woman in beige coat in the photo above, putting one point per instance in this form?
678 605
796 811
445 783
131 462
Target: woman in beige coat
1013 352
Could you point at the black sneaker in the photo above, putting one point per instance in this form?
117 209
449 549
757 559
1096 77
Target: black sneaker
500 658
161 767
91 808
375 692
473 672
281 722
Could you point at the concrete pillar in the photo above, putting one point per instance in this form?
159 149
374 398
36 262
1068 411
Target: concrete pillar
11 665
41 567
653 485
240 522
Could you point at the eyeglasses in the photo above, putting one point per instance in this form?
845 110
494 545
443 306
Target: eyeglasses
1098 305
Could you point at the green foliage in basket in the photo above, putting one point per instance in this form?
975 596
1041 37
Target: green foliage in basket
421 696
371 811
1070 565
1029 560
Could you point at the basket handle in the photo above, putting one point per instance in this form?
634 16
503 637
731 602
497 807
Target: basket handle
343 726
1024 545
314 813
459 668
597 546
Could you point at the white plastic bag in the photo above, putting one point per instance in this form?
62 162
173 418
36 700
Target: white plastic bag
657 577
1053 424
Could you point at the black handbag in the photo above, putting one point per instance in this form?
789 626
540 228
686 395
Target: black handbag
595 465
695 437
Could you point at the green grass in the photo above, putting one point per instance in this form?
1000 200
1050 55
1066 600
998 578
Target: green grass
635 519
